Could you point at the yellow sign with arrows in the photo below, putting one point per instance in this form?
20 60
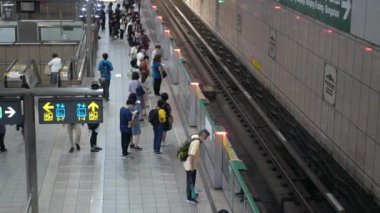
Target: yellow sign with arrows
93 111
48 114
70 110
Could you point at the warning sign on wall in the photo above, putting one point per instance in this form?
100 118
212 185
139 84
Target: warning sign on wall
329 84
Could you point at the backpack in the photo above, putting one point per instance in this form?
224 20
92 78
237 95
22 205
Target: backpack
140 91
183 149
153 117
105 71
92 126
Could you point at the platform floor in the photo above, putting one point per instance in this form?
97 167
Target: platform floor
87 182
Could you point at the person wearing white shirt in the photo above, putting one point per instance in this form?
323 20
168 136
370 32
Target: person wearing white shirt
140 56
156 51
55 65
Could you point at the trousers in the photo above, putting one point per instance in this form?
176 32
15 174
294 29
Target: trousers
106 89
93 138
158 132
70 130
125 141
157 85
190 184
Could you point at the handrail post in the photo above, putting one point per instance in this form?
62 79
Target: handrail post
30 151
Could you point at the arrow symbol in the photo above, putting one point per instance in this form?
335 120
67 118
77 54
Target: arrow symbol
47 107
93 106
346 5
10 112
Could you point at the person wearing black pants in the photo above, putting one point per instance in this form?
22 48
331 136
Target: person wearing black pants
157 76
126 118
105 67
93 127
2 135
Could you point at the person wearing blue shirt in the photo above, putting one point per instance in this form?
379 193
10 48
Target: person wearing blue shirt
126 124
105 67
157 77
2 135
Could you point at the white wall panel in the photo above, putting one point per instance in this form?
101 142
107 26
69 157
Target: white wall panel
355 101
375 75
363 110
358 17
373 113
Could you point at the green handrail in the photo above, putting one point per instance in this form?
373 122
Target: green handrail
236 167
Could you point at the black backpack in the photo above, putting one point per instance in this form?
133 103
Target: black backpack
153 117
93 126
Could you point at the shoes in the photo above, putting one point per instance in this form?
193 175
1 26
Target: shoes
192 201
3 150
159 153
94 149
165 144
138 148
98 148
78 147
132 145
126 154
71 150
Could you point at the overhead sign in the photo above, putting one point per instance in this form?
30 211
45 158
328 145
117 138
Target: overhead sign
70 110
329 84
336 13
10 111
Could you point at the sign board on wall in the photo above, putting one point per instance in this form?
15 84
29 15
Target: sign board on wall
329 84
272 43
336 13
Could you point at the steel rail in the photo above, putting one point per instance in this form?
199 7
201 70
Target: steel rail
244 115
318 184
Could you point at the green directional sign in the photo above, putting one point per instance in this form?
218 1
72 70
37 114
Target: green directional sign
70 110
336 13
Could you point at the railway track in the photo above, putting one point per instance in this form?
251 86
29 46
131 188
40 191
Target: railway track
295 168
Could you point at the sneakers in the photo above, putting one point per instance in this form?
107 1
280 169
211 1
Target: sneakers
164 144
3 150
71 150
98 148
137 148
159 153
192 201
93 149
132 145
78 147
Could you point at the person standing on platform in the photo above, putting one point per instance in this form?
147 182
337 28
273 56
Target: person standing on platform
2 136
169 117
136 87
191 164
157 76
123 26
105 67
103 19
55 65
71 128
126 124
136 129
159 128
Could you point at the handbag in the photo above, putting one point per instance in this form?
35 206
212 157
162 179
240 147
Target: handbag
164 74
140 91
47 70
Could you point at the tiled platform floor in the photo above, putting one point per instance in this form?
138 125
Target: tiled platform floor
98 182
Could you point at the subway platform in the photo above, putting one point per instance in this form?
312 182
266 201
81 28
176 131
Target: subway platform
105 181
